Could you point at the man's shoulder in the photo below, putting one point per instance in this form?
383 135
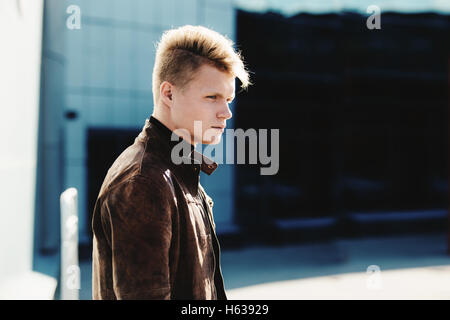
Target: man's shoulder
137 165
137 197
155 182
135 202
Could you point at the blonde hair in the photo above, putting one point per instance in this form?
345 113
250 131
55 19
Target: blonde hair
182 51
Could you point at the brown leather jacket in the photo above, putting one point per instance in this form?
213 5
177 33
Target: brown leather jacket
154 233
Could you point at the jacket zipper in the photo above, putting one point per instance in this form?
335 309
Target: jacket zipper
212 231
215 237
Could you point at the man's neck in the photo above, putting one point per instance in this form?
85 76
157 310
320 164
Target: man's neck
165 120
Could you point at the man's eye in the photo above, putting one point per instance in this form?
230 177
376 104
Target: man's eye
211 97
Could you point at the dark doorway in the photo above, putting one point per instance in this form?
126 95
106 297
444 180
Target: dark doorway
104 146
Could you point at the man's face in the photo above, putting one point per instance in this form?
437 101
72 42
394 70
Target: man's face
206 99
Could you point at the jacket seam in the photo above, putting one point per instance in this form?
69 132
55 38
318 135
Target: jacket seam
142 156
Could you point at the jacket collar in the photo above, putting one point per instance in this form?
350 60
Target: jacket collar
189 169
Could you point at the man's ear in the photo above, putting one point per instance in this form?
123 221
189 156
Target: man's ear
165 92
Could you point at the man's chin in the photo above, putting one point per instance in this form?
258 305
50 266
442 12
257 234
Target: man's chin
215 140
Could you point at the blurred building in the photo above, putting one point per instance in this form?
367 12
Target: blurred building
96 95
363 118
362 113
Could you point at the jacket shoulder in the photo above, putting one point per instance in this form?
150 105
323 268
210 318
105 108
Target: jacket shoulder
137 201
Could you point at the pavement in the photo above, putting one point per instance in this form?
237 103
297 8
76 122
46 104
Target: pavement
425 283
396 267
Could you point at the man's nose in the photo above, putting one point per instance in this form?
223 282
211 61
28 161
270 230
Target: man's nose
225 112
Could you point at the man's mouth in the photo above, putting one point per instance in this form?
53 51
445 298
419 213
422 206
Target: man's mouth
220 128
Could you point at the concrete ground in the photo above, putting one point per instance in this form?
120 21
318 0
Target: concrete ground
411 284
410 267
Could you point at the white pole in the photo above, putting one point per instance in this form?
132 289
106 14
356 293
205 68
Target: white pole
70 270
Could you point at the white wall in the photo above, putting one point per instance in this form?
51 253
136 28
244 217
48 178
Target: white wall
20 61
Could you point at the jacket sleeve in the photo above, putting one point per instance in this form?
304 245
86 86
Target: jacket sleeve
138 214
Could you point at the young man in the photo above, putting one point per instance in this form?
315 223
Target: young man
154 234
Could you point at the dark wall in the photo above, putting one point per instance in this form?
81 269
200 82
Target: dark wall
363 114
